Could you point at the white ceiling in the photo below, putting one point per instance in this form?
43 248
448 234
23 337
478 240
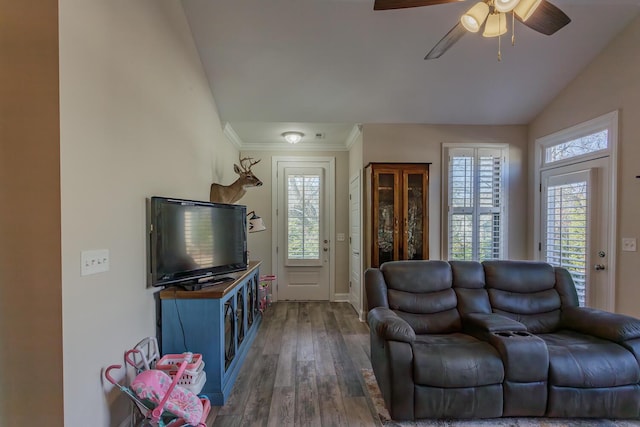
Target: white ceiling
322 66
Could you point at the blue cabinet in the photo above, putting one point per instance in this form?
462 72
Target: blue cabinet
220 322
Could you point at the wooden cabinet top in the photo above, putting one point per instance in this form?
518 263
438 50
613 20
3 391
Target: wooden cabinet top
376 165
210 292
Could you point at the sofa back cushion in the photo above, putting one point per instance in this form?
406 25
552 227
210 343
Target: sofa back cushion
469 285
421 293
524 291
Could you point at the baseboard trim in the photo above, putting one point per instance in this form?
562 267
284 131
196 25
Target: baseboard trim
340 298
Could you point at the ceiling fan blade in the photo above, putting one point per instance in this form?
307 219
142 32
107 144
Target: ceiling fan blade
447 41
401 4
547 19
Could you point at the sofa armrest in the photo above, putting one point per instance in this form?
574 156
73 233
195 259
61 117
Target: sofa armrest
602 324
491 322
389 326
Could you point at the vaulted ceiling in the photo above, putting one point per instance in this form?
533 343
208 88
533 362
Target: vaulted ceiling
325 65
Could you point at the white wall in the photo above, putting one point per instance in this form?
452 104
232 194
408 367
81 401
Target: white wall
609 83
421 143
137 120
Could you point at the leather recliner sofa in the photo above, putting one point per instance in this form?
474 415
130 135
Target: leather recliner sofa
464 339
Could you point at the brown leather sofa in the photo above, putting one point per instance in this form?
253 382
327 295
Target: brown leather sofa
463 339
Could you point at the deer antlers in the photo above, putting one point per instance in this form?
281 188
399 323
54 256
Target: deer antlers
244 159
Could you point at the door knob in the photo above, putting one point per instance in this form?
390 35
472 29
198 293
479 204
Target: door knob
599 267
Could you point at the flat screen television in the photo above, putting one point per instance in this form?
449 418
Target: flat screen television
193 243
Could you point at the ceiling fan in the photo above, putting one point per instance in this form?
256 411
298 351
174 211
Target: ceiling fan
539 15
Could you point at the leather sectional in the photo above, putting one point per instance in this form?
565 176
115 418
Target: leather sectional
462 340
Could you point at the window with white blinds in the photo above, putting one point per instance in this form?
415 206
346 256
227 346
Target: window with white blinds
566 230
303 217
476 203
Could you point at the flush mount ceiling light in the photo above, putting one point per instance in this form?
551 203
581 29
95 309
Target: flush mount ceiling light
293 137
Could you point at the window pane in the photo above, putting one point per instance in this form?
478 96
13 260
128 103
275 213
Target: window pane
490 179
489 236
476 199
303 217
461 182
461 237
577 147
566 231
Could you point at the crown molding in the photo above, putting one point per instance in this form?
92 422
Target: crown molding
301 146
353 136
232 136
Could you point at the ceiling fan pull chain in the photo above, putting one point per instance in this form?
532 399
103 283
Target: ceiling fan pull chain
513 28
499 40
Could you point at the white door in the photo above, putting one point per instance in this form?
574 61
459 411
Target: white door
355 219
575 235
303 230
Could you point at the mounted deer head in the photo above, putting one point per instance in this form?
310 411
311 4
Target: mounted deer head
234 192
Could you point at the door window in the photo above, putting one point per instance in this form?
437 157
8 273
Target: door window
567 219
303 216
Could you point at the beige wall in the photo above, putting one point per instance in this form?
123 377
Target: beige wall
30 275
609 83
423 143
259 199
137 120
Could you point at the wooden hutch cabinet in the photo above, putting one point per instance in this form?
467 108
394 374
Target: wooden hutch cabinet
396 212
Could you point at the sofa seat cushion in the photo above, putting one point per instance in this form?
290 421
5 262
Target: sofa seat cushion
583 361
455 360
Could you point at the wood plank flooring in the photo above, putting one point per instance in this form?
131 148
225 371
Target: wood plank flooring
303 369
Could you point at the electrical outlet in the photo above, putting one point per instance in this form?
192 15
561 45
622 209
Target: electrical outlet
94 261
629 244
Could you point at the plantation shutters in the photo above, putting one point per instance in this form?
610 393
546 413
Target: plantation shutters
476 209
303 203
566 213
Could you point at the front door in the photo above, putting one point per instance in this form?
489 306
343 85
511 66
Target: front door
575 209
303 245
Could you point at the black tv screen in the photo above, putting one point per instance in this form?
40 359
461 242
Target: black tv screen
193 241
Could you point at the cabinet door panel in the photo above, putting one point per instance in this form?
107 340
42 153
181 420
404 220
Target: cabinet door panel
414 233
386 199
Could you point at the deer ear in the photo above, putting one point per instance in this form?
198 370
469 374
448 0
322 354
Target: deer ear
236 169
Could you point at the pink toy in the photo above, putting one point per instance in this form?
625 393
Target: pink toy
163 402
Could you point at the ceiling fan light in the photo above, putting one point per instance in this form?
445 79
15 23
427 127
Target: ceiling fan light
475 17
505 5
525 8
496 25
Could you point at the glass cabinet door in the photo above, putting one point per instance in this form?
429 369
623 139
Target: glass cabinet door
414 239
386 216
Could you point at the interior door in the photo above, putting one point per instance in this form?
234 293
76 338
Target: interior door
355 237
574 228
303 244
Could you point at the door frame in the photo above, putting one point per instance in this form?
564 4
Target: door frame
607 121
360 304
330 187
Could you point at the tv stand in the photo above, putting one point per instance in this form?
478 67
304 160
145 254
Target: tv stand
219 321
205 283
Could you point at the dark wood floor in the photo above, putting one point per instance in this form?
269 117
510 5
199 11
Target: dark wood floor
303 369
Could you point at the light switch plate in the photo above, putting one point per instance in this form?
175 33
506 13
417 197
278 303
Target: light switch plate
94 261
629 244
340 237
